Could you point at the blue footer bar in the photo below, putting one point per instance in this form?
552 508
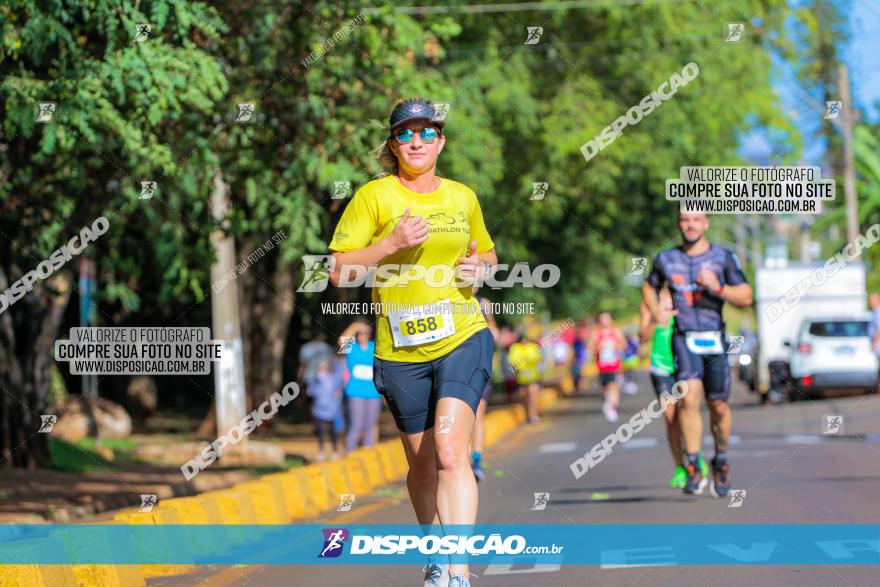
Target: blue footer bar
299 544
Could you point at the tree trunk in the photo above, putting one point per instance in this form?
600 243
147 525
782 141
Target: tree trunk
267 305
26 347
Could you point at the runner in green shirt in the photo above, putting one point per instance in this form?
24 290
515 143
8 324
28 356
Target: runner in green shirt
662 369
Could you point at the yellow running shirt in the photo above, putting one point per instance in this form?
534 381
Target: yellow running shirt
455 219
525 357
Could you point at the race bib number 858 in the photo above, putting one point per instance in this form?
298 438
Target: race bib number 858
421 324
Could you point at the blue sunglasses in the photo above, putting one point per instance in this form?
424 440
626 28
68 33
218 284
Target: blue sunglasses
428 134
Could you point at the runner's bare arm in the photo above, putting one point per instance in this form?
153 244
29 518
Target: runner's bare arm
469 268
651 301
409 232
738 295
646 325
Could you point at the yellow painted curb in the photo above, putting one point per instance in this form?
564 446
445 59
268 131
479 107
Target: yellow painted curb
160 543
566 384
317 487
493 426
336 475
547 398
369 459
36 575
398 455
357 479
109 575
267 500
237 508
292 493
189 510
386 459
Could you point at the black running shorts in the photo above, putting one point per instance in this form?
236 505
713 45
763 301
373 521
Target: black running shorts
413 389
713 370
662 383
606 378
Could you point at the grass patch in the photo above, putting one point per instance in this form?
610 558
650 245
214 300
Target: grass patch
74 458
114 444
83 455
289 463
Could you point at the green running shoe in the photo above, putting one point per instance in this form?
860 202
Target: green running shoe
679 478
704 468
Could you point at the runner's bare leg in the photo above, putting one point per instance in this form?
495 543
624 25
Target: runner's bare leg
721 422
456 486
673 432
421 480
689 416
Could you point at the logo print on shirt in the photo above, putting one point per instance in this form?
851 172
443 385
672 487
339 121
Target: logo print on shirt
442 222
680 284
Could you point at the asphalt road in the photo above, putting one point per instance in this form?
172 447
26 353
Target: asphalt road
793 474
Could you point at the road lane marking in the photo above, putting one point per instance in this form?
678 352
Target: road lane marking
734 439
507 569
557 447
641 443
802 439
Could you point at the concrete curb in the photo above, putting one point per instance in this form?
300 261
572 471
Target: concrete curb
276 498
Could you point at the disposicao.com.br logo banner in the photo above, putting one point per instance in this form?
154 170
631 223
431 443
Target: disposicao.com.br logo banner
529 544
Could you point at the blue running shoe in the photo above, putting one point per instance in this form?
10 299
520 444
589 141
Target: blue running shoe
459 581
696 481
720 478
479 474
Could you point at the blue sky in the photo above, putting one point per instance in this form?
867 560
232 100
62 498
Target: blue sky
862 57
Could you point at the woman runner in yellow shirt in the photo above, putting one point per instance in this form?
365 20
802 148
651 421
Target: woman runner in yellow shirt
433 346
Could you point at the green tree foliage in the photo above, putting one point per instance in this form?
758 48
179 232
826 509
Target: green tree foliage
165 110
126 112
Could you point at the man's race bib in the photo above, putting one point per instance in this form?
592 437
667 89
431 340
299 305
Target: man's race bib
421 324
362 372
706 342
608 353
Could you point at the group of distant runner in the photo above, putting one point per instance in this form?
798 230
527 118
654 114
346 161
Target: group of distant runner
433 366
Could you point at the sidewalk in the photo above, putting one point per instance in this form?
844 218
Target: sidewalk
50 496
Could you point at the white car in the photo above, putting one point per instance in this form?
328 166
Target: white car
832 352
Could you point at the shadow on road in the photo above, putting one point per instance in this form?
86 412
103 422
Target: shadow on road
636 499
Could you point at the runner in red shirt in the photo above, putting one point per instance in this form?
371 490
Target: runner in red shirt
607 344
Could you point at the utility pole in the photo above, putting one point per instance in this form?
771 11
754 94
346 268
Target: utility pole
229 387
849 170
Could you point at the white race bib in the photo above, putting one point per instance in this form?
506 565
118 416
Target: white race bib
421 324
362 372
608 353
704 342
